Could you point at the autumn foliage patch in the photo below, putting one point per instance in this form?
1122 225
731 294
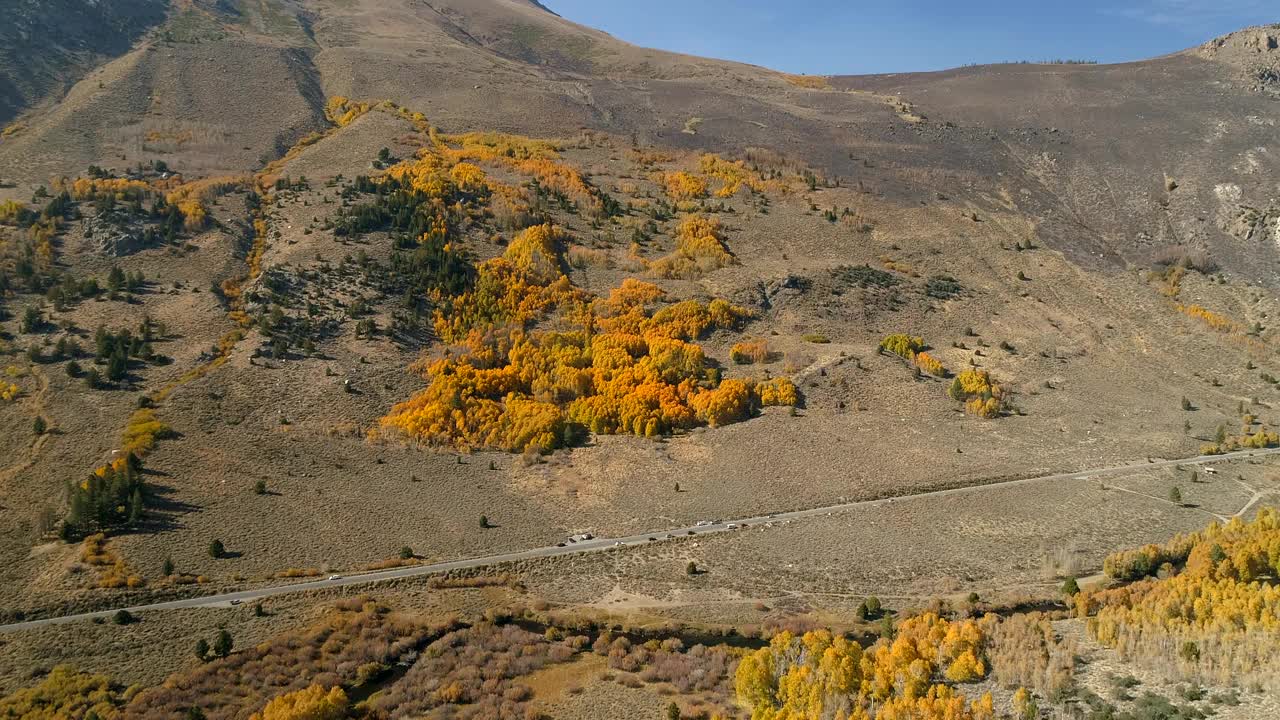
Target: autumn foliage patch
628 363
629 369
1211 597
979 393
700 248
823 675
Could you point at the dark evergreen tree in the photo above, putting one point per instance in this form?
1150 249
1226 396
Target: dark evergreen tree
222 645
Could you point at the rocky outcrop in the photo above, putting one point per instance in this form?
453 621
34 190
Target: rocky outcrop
1255 50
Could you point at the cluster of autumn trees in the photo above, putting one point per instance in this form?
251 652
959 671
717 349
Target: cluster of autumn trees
1205 604
732 176
311 703
681 185
902 345
628 363
538 159
909 676
979 393
114 495
1256 440
809 82
66 693
142 432
912 349
173 204
192 199
27 254
13 212
1238 332
700 248
929 364
342 111
523 284
916 672
630 368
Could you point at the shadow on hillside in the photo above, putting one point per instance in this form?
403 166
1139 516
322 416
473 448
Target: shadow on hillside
165 511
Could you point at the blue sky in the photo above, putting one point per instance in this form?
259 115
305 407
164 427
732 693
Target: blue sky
862 36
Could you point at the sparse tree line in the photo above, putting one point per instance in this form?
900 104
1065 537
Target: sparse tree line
979 393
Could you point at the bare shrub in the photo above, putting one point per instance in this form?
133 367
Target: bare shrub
357 633
473 671
1184 257
1025 651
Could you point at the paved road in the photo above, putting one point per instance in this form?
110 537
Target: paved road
598 544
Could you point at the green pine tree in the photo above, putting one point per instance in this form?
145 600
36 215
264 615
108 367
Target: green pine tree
222 645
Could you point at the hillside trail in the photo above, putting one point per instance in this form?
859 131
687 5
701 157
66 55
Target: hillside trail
1254 496
1253 499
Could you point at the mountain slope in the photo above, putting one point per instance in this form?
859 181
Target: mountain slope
1087 150
1124 161
45 45
368 283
